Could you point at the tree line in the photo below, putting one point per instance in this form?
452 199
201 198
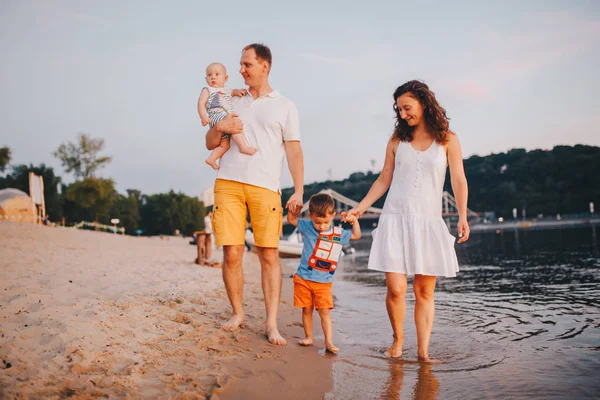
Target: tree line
563 180
90 198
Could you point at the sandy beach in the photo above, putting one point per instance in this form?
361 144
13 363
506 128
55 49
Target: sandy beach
96 315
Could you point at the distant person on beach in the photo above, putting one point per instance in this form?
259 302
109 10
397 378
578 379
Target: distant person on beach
322 247
208 230
412 238
214 104
270 121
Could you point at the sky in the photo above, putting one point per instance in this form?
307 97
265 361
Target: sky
511 74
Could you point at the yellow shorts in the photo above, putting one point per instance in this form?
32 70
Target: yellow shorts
233 200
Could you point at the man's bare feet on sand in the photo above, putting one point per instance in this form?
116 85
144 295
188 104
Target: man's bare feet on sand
395 351
213 164
306 342
428 360
330 347
275 337
234 322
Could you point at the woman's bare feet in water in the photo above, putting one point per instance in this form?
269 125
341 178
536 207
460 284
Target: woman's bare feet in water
275 337
395 351
330 347
306 342
234 322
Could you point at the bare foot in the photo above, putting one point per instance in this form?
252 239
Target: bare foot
275 337
428 360
213 164
306 342
331 348
248 150
395 351
234 322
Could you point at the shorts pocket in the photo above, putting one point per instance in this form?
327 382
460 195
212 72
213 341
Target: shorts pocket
276 211
216 218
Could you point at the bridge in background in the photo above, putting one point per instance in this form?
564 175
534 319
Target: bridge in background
343 203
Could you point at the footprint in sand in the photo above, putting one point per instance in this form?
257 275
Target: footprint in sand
182 319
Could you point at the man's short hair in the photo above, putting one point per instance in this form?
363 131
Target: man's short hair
321 205
262 52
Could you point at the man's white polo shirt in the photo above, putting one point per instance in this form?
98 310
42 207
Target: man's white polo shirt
268 122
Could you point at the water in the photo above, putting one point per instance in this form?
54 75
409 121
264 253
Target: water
521 320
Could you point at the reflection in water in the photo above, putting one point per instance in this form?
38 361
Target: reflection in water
426 387
522 318
395 381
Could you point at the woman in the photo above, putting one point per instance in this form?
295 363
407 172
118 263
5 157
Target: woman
412 238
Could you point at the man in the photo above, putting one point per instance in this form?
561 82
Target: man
270 123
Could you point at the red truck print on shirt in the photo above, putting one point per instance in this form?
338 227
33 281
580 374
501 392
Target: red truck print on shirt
327 251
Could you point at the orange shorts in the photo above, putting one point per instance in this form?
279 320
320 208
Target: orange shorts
233 200
308 293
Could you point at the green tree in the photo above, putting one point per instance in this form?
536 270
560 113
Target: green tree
164 213
5 156
95 194
127 209
82 157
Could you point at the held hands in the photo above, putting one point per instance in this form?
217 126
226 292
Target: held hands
230 124
353 214
464 231
294 204
350 218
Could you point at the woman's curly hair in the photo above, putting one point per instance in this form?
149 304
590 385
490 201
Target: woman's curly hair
434 114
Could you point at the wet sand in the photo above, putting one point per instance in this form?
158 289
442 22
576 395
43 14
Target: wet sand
88 314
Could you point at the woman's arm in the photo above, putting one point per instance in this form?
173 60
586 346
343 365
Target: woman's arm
383 182
459 185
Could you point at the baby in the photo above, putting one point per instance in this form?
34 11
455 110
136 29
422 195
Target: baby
214 105
323 244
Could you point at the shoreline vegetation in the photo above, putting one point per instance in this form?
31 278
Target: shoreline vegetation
542 184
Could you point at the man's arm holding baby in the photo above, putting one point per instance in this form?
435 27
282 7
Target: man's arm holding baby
230 124
356 233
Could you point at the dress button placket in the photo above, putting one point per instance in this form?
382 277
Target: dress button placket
416 184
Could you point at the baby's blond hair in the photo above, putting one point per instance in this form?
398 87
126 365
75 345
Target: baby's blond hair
216 64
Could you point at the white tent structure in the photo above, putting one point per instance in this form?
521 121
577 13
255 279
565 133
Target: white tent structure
16 205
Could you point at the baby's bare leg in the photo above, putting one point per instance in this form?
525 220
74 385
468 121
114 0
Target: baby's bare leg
327 329
218 153
245 148
307 322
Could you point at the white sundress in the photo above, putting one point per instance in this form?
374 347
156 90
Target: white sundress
412 238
